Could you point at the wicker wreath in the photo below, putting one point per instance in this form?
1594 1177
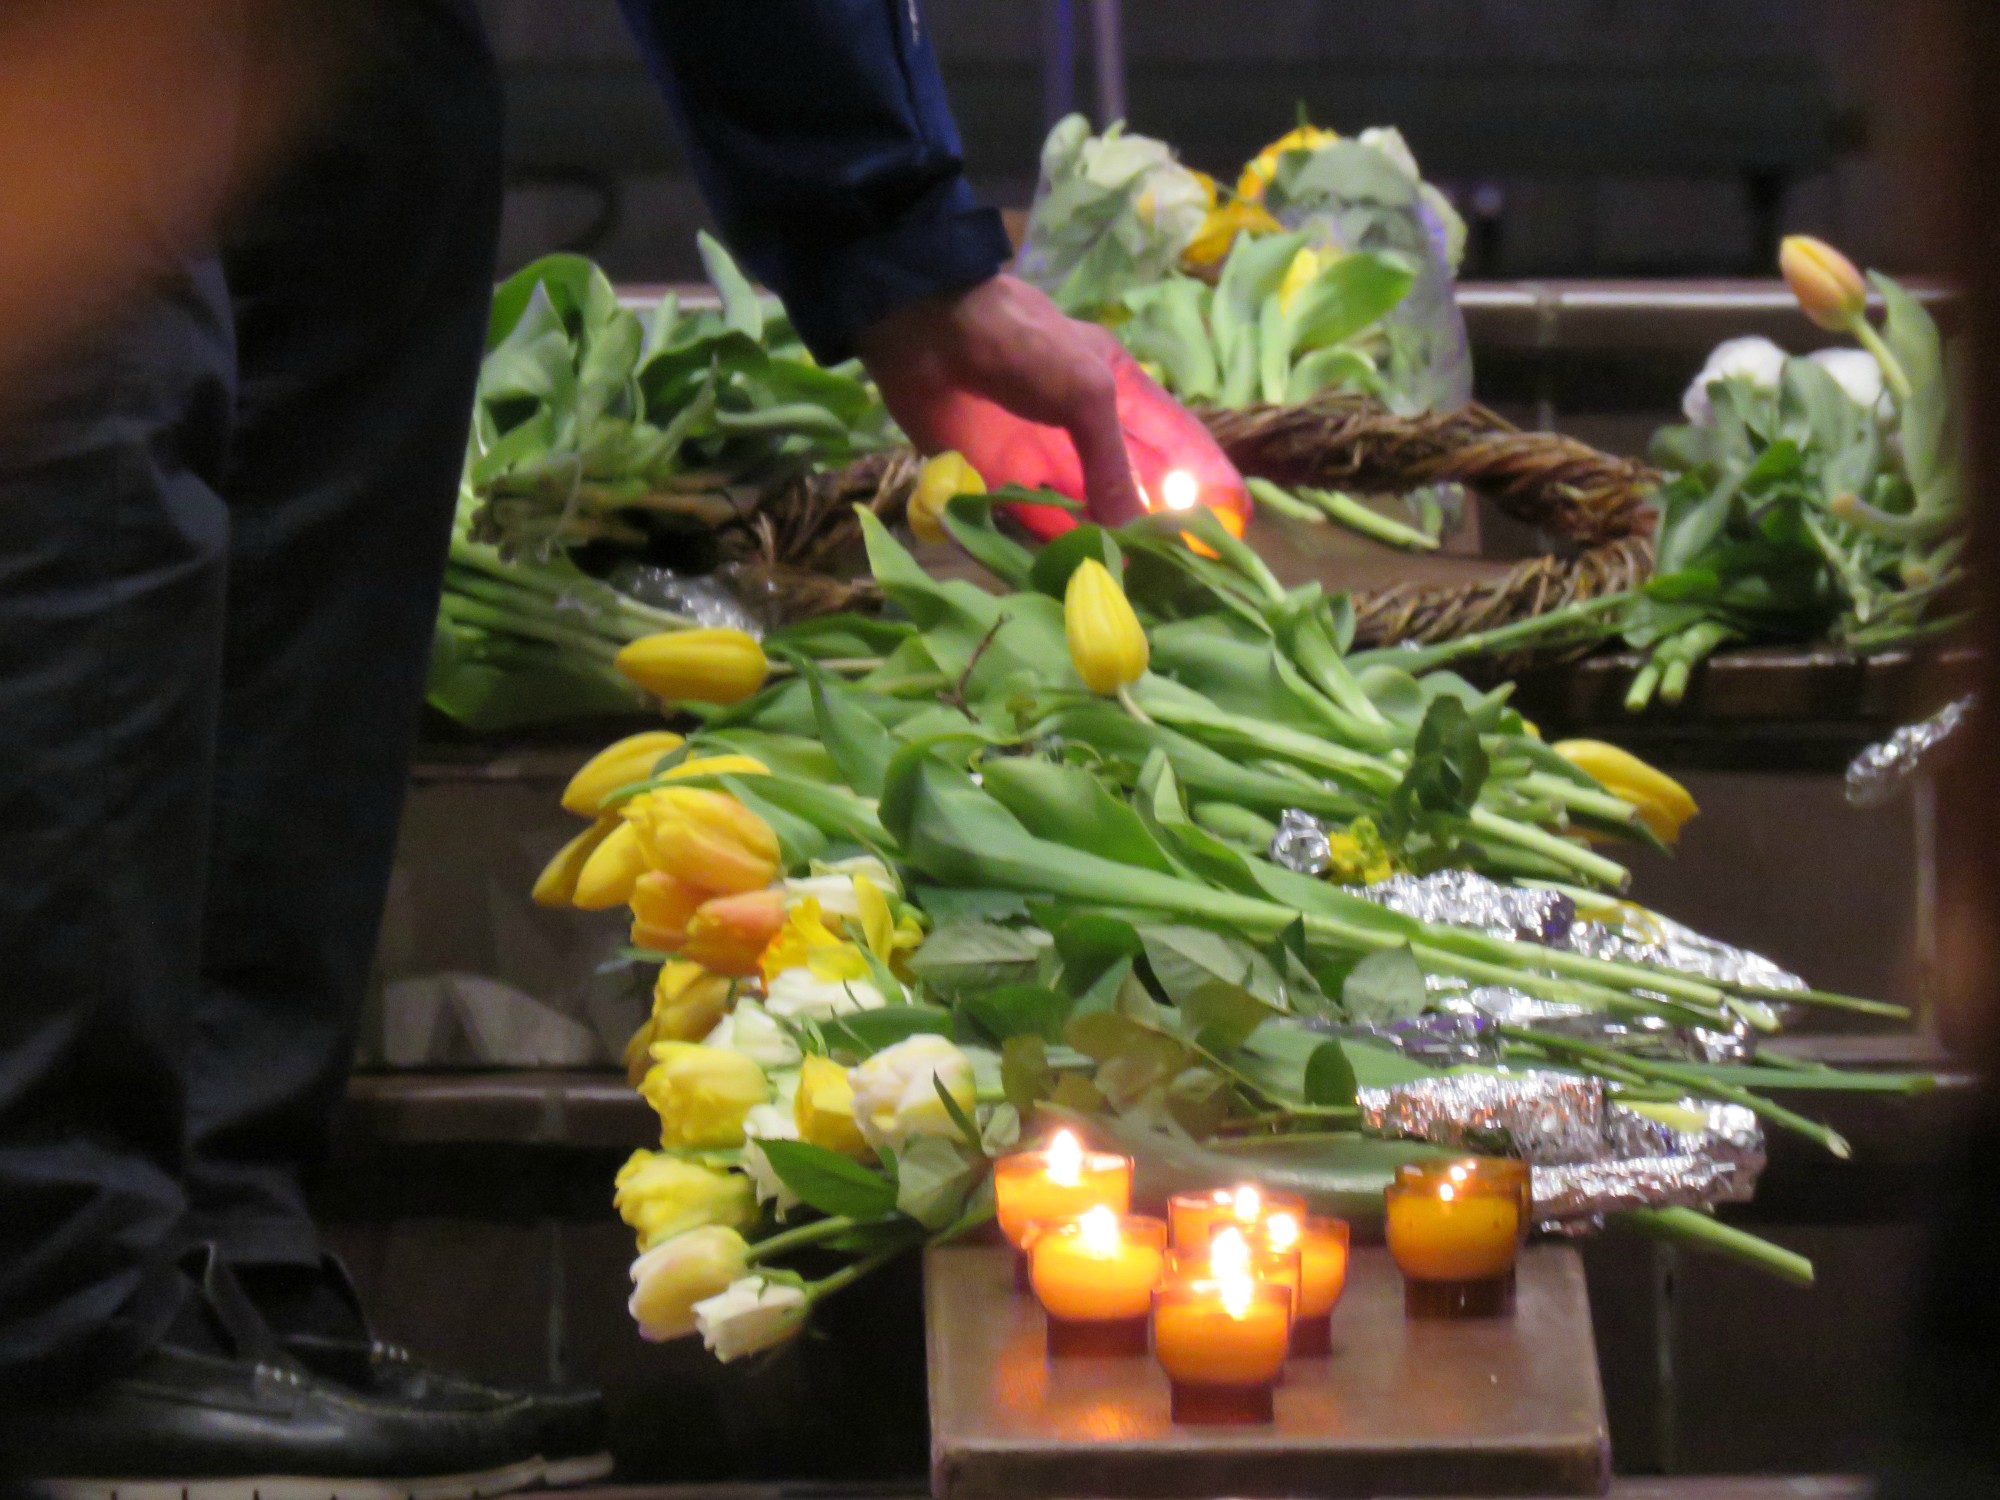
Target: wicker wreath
801 544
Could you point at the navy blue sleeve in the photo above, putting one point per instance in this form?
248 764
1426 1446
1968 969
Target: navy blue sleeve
822 140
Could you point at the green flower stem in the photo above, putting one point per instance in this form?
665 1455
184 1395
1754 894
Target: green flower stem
1696 643
1574 856
1355 516
1131 705
1645 682
1606 805
1826 998
1702 1231
1324 667
1597 997
1283 501
1892 368
1419 659
1696 1080
789 1240
846 1276
465 611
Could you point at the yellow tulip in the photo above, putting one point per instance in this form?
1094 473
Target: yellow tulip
661 1196
1211 243
1303 272
556 885
1106 641
717 765
1828 285
614 867
1662 803
662 906
728 934
688 1003
806 942
630 759
715 665
701 1094
941 480
824 1108
672 1277
1261 168
889 930
704 838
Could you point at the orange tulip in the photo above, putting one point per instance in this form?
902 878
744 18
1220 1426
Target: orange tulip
661 906
1829 286
728 934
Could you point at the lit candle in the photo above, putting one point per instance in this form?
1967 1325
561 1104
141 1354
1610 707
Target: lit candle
1454 1229
1222 1339
1032 1188
1322 1246
1194 1216
1095 1276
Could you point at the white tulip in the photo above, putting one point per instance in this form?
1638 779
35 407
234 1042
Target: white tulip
1857 373
1389 141
895 1096
753 1314
796 995
768 1122
750 1030
1757 362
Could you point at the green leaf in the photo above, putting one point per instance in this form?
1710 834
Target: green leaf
956 1111
1025 1074
740 308
1010 1010
867 1032
1329 1076
1066 804
1384 986
1353 293
841 635
853 736
972 954
1090 945
1222 986
1059 558
969 520
934 1177
828 1181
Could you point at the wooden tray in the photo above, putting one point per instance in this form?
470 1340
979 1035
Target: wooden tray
1510 1406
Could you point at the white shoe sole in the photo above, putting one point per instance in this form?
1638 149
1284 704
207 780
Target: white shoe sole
562 1473
502 1481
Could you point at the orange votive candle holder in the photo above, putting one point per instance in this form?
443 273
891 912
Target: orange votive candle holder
1195 1215
1455 1229
1095 1276
1061 1181
1322 1246
1222 1343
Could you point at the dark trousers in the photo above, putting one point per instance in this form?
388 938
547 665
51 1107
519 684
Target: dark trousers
222 524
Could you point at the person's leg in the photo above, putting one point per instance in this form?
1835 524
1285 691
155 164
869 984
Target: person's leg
361 280
112 543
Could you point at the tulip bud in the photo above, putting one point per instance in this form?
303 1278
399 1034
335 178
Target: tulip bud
941 480
1828 285
1106 641
708 666
824 1108
613 868
728 934
688 1002
670 1279
660 1196
630 759
662 906
1662 803
556 885
751 1316
701 1094
704 838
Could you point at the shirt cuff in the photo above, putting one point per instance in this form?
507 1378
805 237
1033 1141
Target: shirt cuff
864 281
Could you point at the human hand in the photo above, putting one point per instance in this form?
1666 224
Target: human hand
1031 397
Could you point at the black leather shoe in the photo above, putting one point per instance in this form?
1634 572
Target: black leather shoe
564 1428
239 1420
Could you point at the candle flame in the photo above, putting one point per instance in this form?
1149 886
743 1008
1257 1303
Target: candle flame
1065 1160
1228 1254
1248 1204
1180 490
1238 1292
1446 1192
1283 1231
1460 1172
1098 1230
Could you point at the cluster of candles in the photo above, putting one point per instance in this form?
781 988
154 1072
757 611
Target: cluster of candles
1237 1280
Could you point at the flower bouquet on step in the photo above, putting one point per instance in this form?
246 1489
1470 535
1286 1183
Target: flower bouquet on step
1133 843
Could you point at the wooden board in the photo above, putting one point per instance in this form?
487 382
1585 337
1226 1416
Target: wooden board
1508 1406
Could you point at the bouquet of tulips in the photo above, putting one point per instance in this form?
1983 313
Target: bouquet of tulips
921 883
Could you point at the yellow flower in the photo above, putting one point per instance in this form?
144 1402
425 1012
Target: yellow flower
1303 272
889 932
556 885
701 1094
806 942
728 934
613 868
824 1108
1211 243
662 906
669 1279
1828 285
714 665
688 1001
704 838
1106 641
1261 168
1358 856
661 1196
717 765
1663 804
941 479
630 759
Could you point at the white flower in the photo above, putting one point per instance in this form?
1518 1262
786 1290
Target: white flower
1115 158
1857 373
752 1314
1757 362
797 995
1389 141
750 1030
768 1122
895 1096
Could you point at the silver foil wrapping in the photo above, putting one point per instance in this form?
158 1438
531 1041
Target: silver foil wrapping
1588 1155
1884 769
705 599
1301 844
